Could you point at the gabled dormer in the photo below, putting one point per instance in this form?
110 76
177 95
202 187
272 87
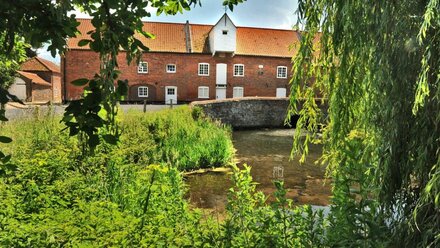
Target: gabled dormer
223 36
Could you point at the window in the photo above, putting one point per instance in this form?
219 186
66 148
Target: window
203 92
282 72
203 69
239 70
171 68
238 92
225 32
171 91
143 91
143 67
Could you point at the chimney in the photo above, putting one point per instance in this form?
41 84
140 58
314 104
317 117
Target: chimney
188 37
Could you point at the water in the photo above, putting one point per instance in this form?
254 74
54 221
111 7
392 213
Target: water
267 152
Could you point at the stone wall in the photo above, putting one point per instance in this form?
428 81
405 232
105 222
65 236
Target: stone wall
247 112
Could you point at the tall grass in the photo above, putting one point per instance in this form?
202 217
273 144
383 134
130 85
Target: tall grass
178 137
128 195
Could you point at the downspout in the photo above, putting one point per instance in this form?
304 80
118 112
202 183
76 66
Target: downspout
63 66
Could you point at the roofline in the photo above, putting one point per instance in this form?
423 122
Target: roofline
44 64
197 53
211 25
225 14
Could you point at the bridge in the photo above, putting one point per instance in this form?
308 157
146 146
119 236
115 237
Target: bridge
248 112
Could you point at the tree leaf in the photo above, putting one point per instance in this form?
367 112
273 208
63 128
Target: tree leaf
4 139
80 82
111 139
84 42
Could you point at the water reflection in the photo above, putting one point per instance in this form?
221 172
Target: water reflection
267 152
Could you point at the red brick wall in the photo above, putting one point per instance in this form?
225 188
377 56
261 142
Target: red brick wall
41 93
83 63
56 88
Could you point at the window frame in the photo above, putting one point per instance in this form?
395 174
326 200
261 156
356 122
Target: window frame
278 71
207 92
203 75
139 89
175 68
236 88
139 68
238 75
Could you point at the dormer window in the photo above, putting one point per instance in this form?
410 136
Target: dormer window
225 32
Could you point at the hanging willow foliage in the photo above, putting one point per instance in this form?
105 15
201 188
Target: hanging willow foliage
377 64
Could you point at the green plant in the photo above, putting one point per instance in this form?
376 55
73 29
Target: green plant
376 64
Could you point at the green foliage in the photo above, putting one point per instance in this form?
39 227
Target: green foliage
377 65
57 197
179 139
252 223
10 63
132 194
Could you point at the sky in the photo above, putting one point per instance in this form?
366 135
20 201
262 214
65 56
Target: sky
279 14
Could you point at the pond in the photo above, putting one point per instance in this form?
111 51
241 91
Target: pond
267 152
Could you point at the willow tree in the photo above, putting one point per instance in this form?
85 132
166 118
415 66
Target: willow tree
377 64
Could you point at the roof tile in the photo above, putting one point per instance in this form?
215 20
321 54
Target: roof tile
170 37
34 78
39 64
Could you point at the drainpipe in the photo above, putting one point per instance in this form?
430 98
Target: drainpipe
63 66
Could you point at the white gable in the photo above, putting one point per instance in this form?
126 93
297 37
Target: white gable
222 37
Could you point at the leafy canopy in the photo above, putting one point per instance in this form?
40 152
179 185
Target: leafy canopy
115 24
377 65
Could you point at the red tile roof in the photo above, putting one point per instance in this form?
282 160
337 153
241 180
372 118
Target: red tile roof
170 37
34 78
39 64
266 42
200 38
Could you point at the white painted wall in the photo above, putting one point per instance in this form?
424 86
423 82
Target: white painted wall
220 93
281 92
218 42
18 88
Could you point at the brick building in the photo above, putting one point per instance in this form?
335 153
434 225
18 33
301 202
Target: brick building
190 62
38 81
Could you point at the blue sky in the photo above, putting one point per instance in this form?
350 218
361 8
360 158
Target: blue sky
252 13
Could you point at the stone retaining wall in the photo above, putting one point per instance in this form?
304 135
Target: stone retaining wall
247 112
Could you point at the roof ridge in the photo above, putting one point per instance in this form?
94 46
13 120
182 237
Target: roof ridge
41 62
46 63
202 24
278 29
